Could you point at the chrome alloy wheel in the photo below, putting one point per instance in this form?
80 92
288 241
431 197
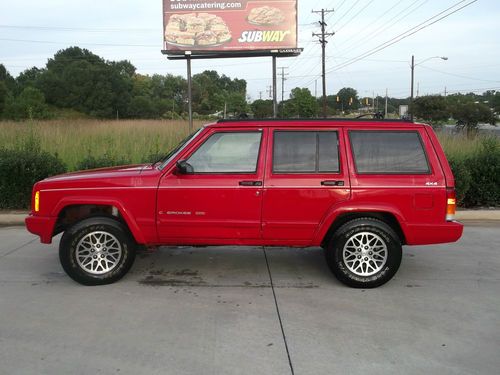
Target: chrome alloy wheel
98 253
365 254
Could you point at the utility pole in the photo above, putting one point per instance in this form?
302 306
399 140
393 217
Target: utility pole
283 79
412 85
269 91
275 100
322 39
386 102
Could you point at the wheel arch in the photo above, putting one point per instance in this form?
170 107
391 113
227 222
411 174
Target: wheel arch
394 220
69 212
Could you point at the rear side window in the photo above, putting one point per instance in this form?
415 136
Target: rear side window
305 152
388 152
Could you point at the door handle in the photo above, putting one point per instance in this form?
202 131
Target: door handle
250 183
332 183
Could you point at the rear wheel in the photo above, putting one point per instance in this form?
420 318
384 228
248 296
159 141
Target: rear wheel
364 253
97 251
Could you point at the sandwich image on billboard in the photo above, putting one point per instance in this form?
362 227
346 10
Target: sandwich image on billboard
221 26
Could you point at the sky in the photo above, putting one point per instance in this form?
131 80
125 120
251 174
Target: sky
32 31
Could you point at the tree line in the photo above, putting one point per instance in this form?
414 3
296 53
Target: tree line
77 82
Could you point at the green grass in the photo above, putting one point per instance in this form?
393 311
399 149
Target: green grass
73 140
459 145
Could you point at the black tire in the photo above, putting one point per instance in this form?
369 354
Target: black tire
361 264
83 245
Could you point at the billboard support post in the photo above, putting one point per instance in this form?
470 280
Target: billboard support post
275 99
190 92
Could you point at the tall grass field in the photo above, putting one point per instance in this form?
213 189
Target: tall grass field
75 140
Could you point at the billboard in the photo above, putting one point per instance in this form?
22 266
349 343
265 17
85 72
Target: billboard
224 27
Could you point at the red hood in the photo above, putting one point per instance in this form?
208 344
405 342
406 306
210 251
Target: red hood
101 173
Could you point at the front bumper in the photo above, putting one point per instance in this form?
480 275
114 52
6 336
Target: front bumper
41 226
434 233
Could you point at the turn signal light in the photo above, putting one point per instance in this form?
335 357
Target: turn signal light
37 201
451 204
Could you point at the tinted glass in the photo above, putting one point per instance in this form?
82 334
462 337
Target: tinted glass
306 152
227 153
388 152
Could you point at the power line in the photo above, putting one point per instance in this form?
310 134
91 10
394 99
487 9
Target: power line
368 31
406 34
459 75
348 11
365 38
61 28
354 16
80 43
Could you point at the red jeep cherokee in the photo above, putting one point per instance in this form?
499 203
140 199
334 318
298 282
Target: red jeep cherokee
360 189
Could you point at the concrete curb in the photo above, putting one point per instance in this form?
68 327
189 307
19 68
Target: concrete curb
16 218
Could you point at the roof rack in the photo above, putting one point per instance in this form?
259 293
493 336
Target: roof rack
406 121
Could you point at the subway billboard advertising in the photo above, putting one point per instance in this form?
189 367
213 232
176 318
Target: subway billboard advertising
229 27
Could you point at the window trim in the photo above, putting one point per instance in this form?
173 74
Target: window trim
429 170
260 131
316 171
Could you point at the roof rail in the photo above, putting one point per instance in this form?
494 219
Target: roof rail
315 119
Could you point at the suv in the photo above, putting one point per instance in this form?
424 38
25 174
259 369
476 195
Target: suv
360 189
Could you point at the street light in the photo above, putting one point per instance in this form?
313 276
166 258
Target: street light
413 65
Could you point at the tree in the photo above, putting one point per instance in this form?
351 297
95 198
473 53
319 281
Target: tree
29 104
212 91
469 115
29 78
3 97
262 108
302 103
141 107
431 108
495 102
76 78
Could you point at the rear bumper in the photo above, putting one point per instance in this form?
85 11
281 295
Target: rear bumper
434 234
41 226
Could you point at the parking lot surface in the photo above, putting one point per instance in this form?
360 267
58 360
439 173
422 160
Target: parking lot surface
252 311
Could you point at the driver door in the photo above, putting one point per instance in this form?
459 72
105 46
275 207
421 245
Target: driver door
220 197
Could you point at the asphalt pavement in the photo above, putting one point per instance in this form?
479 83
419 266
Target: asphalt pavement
252 311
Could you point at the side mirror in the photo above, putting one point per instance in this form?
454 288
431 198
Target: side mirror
183 167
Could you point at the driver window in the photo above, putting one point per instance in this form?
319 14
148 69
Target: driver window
227 152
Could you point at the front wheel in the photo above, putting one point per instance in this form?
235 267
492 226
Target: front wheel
364 253
97 251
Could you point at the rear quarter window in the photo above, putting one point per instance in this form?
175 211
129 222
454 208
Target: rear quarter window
388 152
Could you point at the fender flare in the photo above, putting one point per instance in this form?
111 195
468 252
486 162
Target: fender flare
125 214
341 209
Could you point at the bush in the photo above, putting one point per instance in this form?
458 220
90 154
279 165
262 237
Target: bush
484 168
19 170
462 175
91 162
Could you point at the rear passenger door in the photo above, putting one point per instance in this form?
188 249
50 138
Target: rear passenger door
306 174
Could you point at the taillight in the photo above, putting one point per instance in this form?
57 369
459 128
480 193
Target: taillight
451 204
37 202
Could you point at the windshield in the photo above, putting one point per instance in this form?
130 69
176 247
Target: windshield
166 159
